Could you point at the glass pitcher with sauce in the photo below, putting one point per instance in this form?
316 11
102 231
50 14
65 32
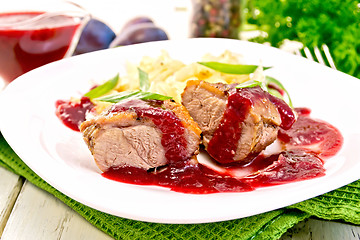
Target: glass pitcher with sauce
34 33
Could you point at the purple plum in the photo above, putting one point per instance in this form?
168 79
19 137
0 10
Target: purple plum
96 35
139 33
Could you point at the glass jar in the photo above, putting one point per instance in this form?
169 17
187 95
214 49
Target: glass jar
215 18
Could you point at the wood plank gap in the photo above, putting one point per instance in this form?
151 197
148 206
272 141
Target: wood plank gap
11 202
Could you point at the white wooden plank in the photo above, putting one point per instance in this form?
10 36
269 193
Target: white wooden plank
333 230
315 229
39 215
10 185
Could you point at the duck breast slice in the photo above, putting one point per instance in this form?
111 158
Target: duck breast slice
144 134
236 123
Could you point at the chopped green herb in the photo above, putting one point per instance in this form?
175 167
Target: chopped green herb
152 96
265 87
143 80
115 98
279 84
99 92
249 84
103 88
231 68
275 93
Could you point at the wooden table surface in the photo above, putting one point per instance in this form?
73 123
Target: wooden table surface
27 212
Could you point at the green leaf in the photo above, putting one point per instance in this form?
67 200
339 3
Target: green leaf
231 68
115 98
103 88
279 84
143 80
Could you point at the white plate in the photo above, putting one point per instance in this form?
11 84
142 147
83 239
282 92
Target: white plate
60 157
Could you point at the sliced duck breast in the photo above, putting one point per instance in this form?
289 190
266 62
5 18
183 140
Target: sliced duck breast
236 123
144 134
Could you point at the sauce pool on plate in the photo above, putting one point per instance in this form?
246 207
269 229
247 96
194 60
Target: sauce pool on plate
297 160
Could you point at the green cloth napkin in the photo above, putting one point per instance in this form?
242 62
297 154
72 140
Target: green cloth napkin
342 204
